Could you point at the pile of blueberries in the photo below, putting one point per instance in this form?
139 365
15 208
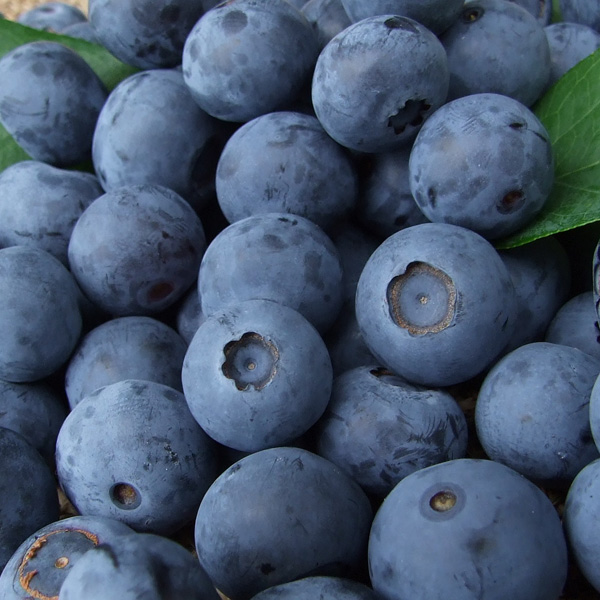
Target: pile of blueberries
256 316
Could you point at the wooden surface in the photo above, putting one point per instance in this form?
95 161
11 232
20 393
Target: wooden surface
13 8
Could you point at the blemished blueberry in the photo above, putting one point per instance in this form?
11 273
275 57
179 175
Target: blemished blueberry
533 412
134 347
40 320
147 34
540 9
28 496
580 11
256 375
576 324
52 16
132 451
377 81
189 314
150 130
40 564
435 304
322 587
50 99
245 58
278 515
379 428
40 204
274 256
484 162
436 15
328 18
581 517
137 249
464 529
497 46
136 566
298 170
541 274
36 411
569 44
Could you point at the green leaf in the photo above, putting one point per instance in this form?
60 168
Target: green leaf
570 111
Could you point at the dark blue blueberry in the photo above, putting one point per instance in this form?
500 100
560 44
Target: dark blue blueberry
52 16
322 587
40 204
532 412
278 515
28 496
274 256
379 428
435 304
50 99
483 161
256 375
40 564
327 17
245 58
500 47
137 249
40 320
377 81
132 451
299 169
467 529
581 11
135 347
150 130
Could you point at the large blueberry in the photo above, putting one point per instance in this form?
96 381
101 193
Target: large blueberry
467 529
435 304
376 82
278 515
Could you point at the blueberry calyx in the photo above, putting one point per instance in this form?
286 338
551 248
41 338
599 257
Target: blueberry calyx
412 113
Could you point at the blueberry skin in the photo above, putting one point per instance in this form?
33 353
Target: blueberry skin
274 256
145 33
28 498
532 412
464 529
150 130
52 16
540 9
379 428
435 304
136 250
82 31
322 587
484 162
246 58
327 18
40 320
132 451
41 563
135 347
596 278
50 99
278 515
595 411
189 315
436 15
497 46
298 170
40 204
377 81
569 44
256 375
580 11
581 517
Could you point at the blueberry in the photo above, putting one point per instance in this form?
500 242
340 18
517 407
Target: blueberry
52 16
135 347
132 451
379 428
256 375
596 278
137 249
532 412
483 161
377 81
245 58
500 47
322 587
435 304
50 99
274 256
278 515
464 529
299 170
328 18
189 314
580 11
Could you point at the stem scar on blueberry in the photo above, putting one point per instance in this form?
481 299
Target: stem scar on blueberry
472 14
125 496
511 202
443 501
